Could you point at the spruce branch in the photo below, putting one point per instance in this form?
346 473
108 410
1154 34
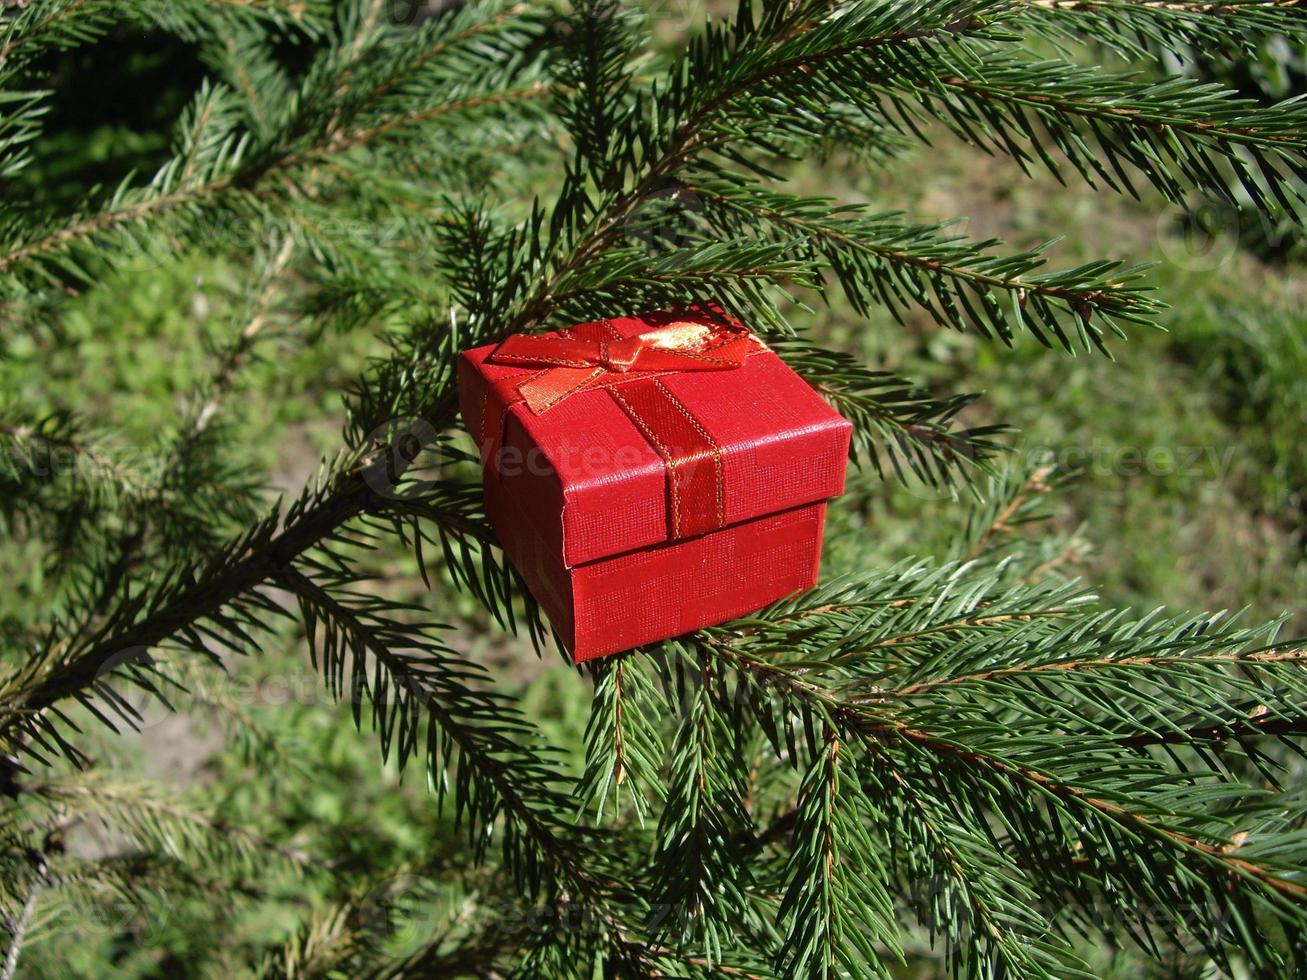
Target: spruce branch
698 886
1013 500
1001 742
363 136
841 915
1178 133
1013 746
239 351
39 26
624 749
156 823
448 519
232 576
325 943
226 588
192 494
595 74
1140 28
18 930
983 900
1259 722
53 464
705 86
20 123
478 747
1134 664
899 428
882 260
221 168
1195 862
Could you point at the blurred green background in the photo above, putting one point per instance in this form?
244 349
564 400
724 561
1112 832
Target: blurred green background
1184 460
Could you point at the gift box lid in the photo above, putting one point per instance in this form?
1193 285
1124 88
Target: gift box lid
778 443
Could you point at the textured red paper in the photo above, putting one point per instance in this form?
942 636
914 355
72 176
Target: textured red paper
581 500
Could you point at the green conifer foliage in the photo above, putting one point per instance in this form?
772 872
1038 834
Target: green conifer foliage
970 755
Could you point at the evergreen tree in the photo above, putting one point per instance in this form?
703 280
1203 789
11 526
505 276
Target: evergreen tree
973 750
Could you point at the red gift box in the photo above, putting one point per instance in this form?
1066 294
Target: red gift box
651 476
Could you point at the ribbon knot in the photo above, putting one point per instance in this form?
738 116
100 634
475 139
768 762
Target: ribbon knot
573 364
623 355
619 357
